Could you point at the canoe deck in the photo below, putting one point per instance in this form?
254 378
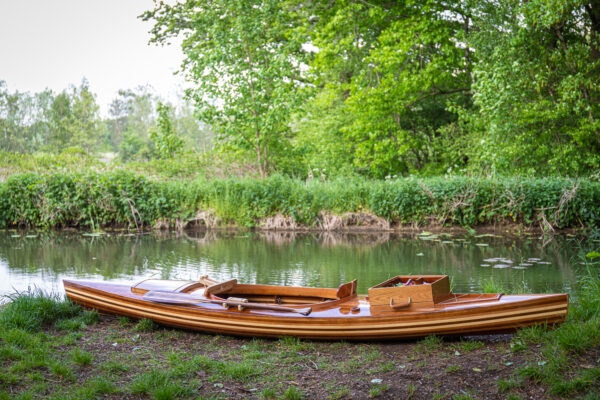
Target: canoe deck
352 317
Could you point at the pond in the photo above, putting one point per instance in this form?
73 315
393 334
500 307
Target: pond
533 263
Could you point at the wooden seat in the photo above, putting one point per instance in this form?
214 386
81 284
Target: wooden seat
220 287
346 290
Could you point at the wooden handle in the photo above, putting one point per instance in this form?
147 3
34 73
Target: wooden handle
399 306
158 296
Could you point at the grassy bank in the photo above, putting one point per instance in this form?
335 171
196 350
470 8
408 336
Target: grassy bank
97 199
52 349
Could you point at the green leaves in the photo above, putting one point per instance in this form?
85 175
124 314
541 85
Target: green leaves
244 61
166 140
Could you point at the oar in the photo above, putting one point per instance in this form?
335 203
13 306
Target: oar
159 296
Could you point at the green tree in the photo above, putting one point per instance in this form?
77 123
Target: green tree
132 116
23 119
392 73
537 86
244 58
166 141
85 118
74 119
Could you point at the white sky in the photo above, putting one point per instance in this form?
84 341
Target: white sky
54 43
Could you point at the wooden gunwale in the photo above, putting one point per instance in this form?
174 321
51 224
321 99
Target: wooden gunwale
444 320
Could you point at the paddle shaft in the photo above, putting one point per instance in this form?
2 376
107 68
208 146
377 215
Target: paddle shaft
184 298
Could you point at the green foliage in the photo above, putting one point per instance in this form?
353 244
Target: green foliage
166 141
537 86
94 200
244 58
374 88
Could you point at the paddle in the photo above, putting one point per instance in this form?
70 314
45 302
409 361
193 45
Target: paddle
158 296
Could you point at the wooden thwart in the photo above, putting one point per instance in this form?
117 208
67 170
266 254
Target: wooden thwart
158 296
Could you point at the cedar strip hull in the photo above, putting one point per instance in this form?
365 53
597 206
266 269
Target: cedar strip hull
334 320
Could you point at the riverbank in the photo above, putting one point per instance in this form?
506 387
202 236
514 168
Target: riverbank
121 199
50 348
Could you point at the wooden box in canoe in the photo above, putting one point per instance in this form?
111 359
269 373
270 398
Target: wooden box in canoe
401 307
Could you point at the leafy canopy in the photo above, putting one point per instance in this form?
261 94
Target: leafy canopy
244 58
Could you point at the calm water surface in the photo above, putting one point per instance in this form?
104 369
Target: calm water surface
325 260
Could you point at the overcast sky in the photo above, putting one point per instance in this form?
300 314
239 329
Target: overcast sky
54 43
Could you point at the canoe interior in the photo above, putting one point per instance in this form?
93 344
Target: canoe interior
268 294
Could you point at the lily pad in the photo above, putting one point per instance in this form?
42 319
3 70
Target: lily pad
525 265
447 242
544 262
502 266
420 254
485 265
31 236
481 244
491 260
519 267
15 236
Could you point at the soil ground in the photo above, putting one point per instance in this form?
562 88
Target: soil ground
134 358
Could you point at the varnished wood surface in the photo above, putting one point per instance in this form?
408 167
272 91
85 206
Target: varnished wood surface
351 318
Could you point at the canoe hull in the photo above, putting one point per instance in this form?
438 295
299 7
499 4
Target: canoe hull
352 319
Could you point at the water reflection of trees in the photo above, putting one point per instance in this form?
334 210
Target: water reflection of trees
313 259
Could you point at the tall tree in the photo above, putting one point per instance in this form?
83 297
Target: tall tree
166 140
244 58
537 87
392 72
73 118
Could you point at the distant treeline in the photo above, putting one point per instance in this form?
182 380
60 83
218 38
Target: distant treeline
54 122
122 199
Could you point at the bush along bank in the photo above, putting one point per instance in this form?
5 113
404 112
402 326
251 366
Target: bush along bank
93 200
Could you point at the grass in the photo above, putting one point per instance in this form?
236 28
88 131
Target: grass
292 393
33 309
378 389
81 357
469 345
145 325
563 346
430 344
452 368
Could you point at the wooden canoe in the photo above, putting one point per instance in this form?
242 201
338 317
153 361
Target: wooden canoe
402 307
